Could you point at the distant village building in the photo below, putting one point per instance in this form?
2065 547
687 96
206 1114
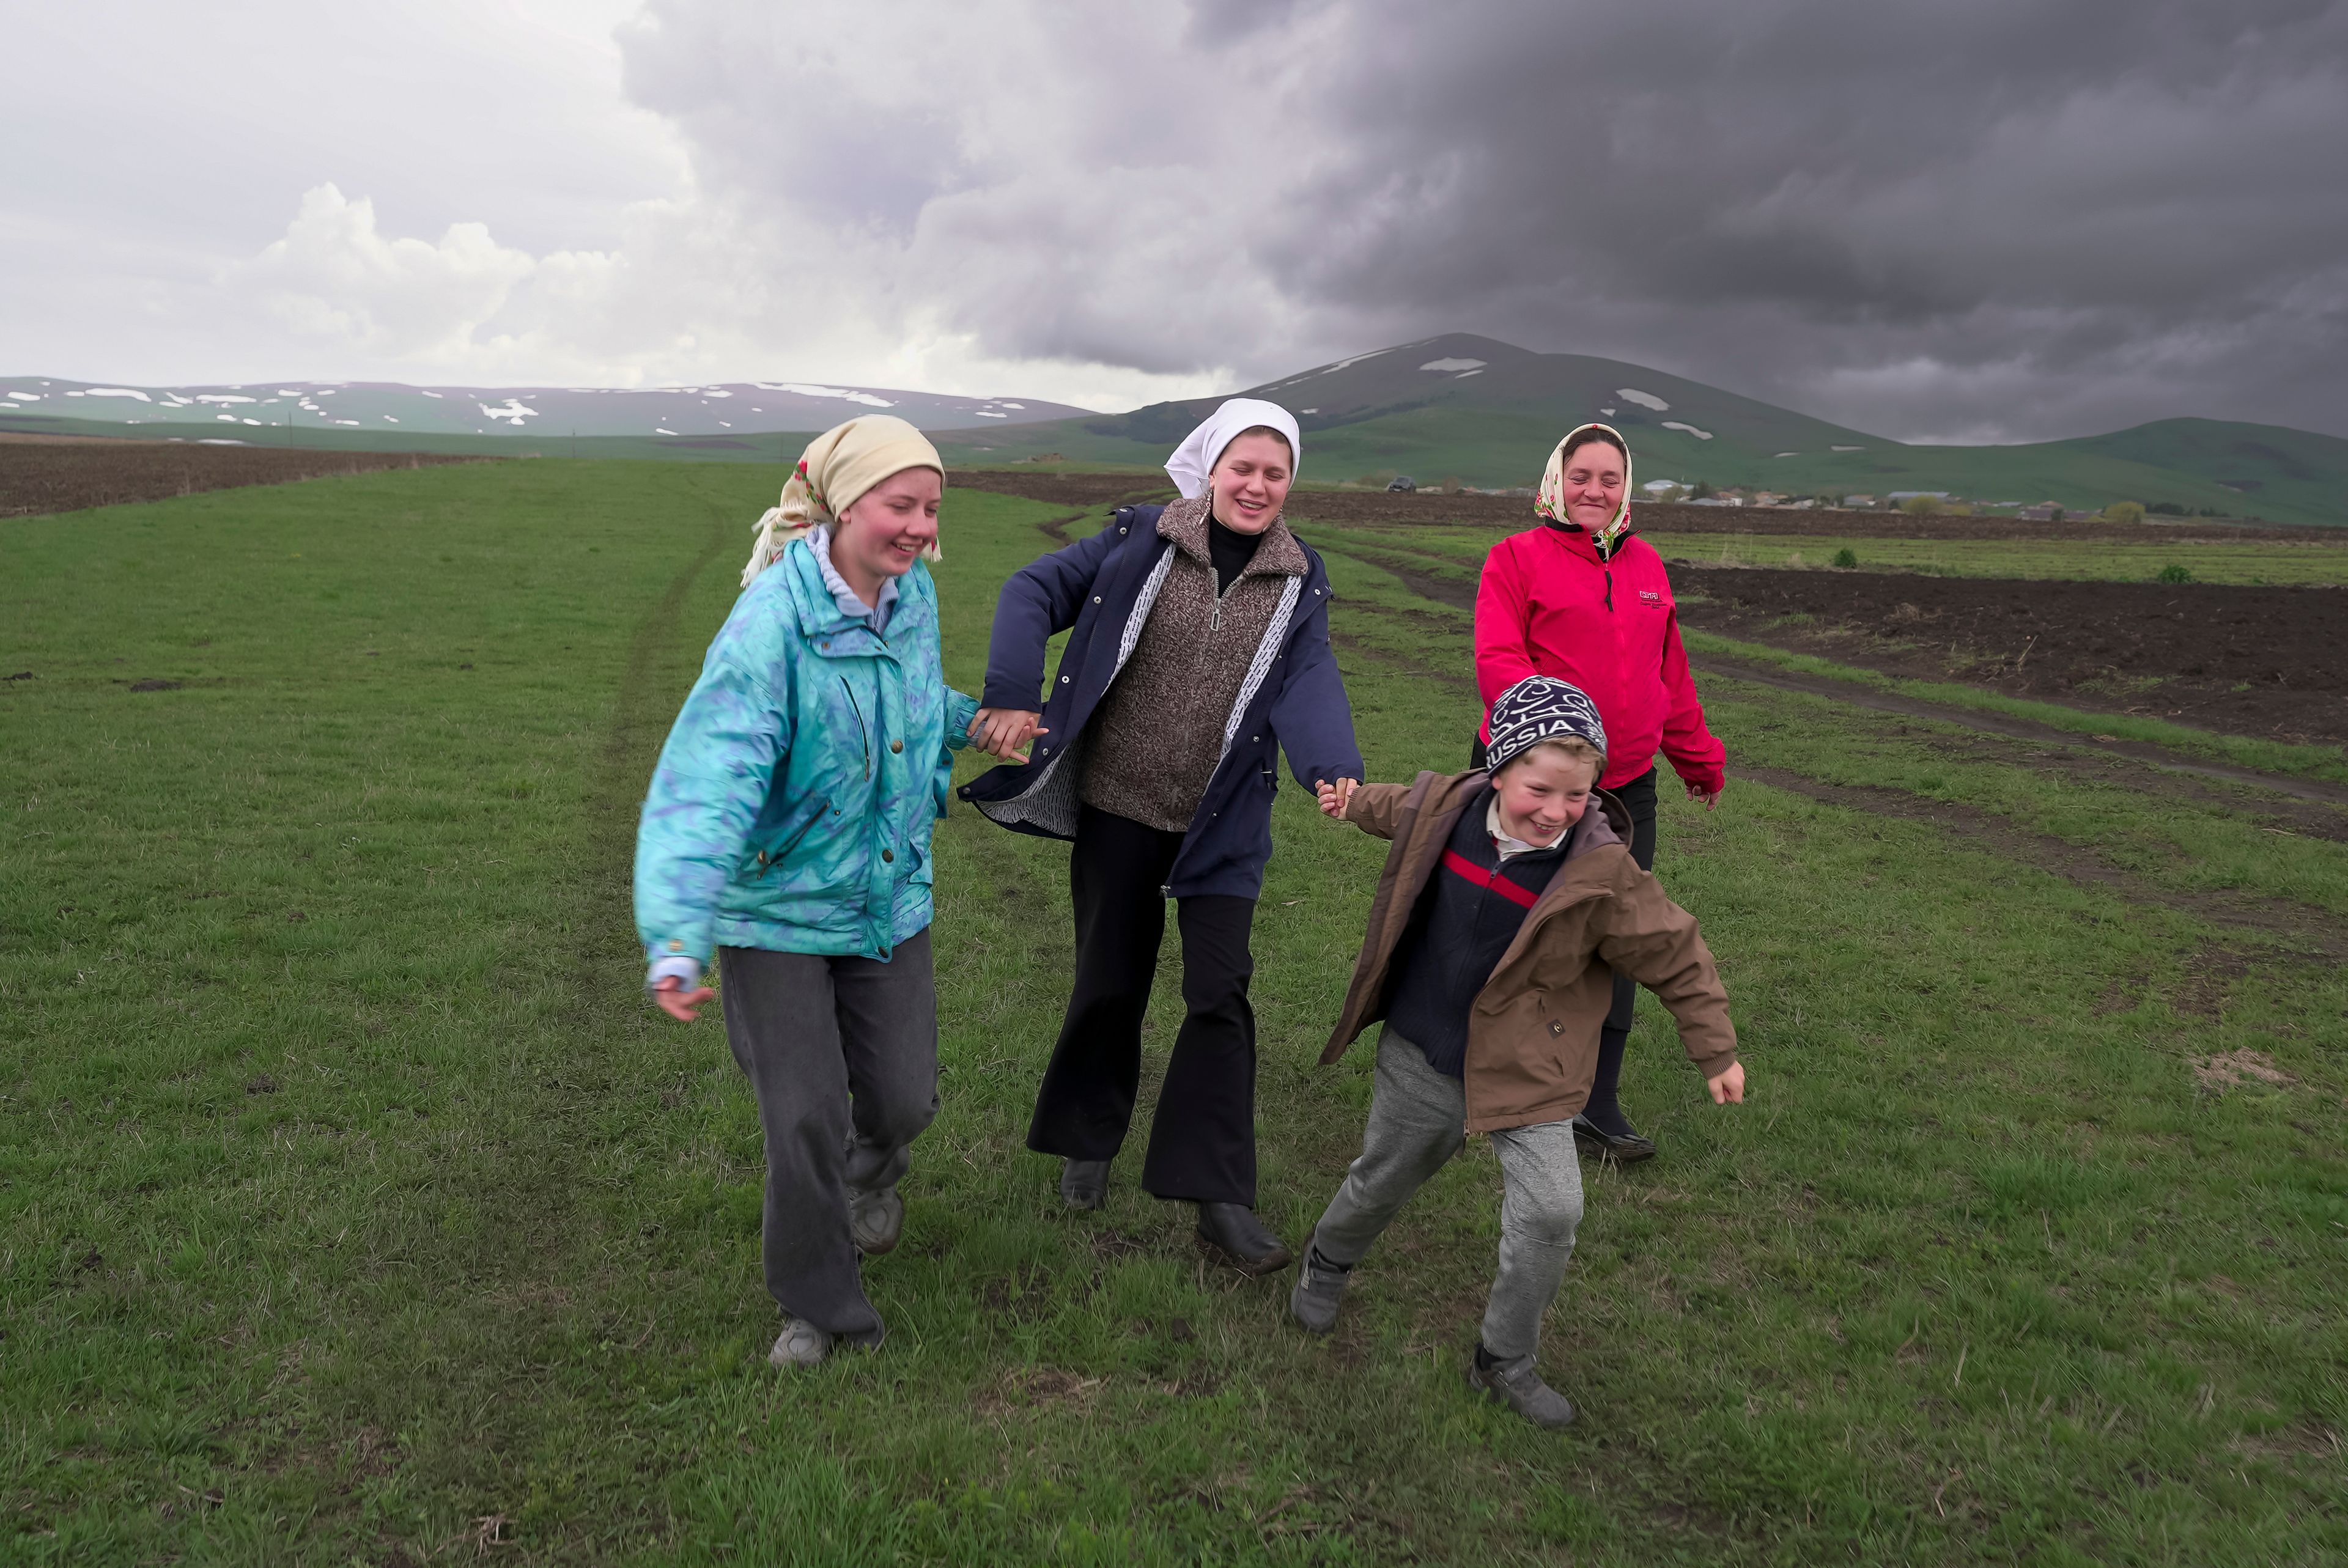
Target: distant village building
1859 500
1896 496
2044 512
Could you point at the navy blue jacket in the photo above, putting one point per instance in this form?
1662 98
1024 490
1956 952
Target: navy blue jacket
1095 586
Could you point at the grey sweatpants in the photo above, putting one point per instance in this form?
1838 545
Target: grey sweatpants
842 1053
1418 1122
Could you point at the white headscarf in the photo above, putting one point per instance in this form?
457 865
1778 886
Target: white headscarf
1195 458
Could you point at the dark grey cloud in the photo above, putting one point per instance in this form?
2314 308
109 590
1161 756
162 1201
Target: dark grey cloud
2017 218
1993 218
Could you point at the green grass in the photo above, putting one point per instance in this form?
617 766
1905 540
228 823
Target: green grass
350 1197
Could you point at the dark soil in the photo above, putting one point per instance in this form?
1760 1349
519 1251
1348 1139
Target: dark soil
1104 490
40 476
1514 512
2271 662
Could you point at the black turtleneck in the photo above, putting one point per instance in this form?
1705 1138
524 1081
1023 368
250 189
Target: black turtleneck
1230 550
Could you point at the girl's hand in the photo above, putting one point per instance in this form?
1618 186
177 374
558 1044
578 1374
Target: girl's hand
1728 1089
1707 798
1005 731
1336 797
685 1006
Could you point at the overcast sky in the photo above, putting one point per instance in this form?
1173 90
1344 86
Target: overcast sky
1992 219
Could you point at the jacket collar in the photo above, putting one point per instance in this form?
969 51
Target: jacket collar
1185 523
819 612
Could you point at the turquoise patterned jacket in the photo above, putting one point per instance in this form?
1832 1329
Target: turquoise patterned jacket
792 806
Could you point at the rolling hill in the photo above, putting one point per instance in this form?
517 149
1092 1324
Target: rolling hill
1486 413
1456 406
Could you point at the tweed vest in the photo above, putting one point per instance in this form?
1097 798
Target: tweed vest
1158 735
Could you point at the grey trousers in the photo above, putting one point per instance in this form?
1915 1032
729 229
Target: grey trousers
842 1053
1418 1122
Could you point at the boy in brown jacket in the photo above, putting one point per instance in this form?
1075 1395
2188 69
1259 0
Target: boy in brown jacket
1505 907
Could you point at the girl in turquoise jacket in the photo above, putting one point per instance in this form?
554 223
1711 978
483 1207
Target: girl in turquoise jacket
787 838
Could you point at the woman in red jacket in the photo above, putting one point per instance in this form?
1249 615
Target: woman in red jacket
1582 598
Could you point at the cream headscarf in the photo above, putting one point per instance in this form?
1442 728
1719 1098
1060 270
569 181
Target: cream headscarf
1550 501
834 472
1195 458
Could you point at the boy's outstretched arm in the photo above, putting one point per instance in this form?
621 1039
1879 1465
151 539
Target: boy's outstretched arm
1374 808
1644 935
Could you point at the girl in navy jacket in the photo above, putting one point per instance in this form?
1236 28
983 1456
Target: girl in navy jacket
1200 648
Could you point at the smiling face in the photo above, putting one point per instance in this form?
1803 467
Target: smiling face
1544 792
1250 481
887 527
1593 484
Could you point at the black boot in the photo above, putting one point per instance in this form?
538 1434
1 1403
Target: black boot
1623 1143
1233 1230
1084 1184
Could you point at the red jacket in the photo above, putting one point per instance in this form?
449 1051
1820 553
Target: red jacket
1548 606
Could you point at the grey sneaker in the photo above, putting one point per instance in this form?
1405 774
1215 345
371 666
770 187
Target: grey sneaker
802 1344
1320 1291
1517 1385
876 1220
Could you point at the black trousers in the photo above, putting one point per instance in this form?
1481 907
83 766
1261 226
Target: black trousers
1638 798
1203 1136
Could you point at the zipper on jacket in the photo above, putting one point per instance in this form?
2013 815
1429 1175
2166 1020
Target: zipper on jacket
862 734
1215 621
1610 587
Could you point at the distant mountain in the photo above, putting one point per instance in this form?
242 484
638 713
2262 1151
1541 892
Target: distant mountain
1486 413
315 410
1456 406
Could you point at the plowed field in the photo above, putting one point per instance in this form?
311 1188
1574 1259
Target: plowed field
40 474
2269 661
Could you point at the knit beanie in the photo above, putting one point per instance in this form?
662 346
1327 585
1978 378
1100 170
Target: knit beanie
1541 708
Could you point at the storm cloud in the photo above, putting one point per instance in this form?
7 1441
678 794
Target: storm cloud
1995 221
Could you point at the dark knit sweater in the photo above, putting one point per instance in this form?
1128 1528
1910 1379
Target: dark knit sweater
1472 910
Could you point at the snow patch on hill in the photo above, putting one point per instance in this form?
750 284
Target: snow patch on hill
1644 399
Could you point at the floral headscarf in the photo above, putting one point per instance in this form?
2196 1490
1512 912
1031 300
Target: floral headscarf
1551 500
837 468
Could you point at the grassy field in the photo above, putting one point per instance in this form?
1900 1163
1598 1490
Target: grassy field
354 1207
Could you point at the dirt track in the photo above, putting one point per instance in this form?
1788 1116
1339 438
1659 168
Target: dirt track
2269 661
40 476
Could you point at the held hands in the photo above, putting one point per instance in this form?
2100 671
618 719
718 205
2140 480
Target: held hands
1335 797
1005 732
1728 1089
685 1006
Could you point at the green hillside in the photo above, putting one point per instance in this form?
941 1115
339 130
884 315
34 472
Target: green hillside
1486 413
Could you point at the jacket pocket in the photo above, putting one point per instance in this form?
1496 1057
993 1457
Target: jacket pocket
767 859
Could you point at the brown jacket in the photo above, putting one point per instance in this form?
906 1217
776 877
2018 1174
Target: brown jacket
1533 1040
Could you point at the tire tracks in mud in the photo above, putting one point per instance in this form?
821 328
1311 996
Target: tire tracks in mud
2145 754
2282 927
2299 929
1854 695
